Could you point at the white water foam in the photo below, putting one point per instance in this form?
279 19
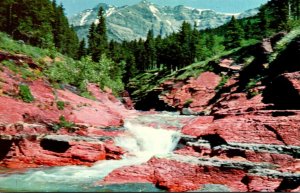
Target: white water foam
144 140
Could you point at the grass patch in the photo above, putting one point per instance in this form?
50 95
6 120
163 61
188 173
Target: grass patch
10 65
13 46
223 81
284 42
25 93
63 123
23 70
60 105
251 84
87 95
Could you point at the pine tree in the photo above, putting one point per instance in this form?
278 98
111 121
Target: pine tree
279 14
140 55
40 23
185 42
193 43
248 28
234 34
7 14
203 47
101 27
81 50
91 39
65 37
264 23
159 44
150 50
100 39
294 6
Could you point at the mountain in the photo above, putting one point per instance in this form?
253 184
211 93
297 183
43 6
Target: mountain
133 22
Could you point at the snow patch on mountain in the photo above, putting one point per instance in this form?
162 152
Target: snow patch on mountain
84 17
153 9
110 11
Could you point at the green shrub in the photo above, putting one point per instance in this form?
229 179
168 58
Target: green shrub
80 73
60 105
87 95
63 123
223 81
188 102
251 94
26 73
10 65
23 70
251 84
25 93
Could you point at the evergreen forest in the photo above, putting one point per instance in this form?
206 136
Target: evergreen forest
42 23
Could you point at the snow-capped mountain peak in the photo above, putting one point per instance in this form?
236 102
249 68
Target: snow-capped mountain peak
134 22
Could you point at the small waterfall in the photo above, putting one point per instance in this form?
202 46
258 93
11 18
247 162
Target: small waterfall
148 141
141 141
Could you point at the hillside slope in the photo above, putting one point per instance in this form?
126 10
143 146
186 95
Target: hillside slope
48 123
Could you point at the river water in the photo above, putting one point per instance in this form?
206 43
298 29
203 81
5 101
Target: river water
141 140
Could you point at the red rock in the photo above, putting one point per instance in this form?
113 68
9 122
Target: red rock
131 174
112 151
177 176
26 123
42 91
106 111
13 111
238 103
198 91
28 152
251 129
228 65
88 152
23 129
296 190
262 184
128 103
202 120
92 131
282 160
126 100
187 150
292 167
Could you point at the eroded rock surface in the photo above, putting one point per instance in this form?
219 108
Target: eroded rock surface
34 134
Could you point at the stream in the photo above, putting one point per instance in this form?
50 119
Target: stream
141 140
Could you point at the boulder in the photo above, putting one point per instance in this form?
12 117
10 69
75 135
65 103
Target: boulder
195 93
25 151
250 129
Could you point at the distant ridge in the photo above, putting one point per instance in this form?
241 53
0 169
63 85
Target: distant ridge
133 22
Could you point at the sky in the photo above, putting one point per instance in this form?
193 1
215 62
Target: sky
229 6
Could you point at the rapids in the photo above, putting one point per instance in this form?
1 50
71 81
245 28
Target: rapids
140 140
